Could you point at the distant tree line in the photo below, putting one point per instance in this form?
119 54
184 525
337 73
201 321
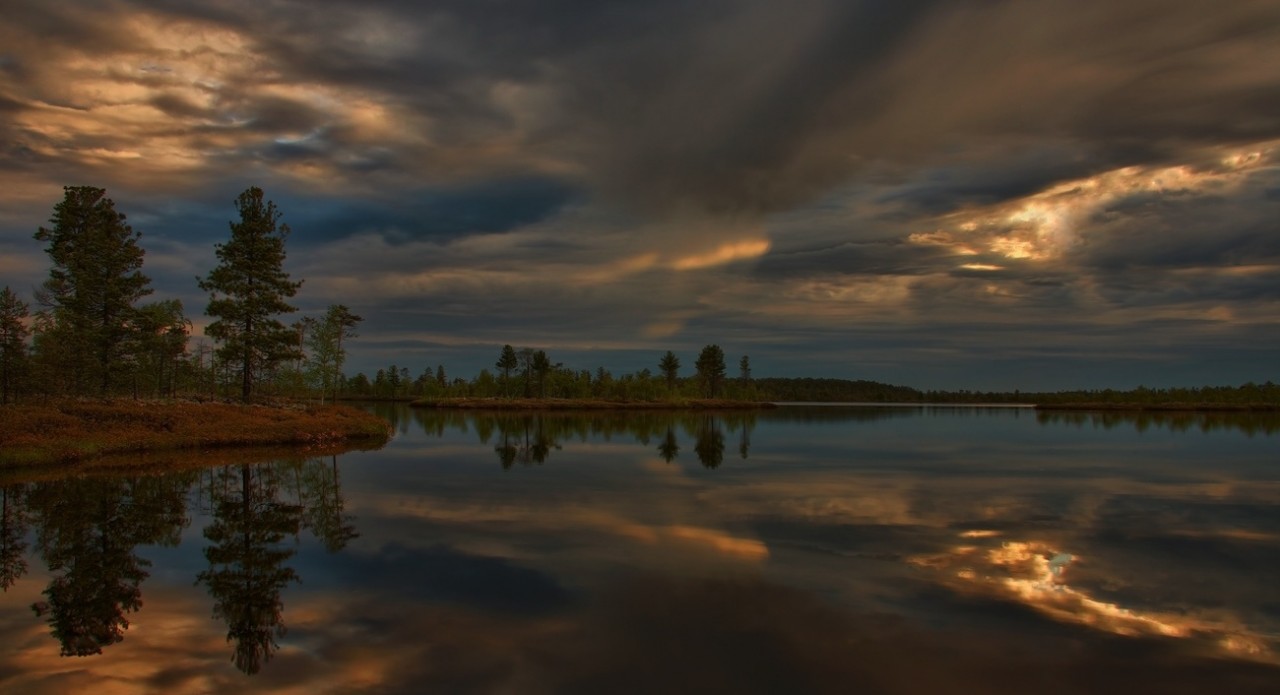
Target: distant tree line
531 373
1265 394
835 391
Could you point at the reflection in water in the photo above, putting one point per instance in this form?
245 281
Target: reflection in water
1005 550
522 439
530 438
710 444
13 535
644 425
1251 423
1036 574
247 567
247 563
88 530
323 507
669 448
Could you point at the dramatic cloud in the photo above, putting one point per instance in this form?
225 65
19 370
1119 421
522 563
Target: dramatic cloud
819 183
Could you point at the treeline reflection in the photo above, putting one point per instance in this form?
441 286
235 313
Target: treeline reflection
527 438
1250 423
531 438
88 532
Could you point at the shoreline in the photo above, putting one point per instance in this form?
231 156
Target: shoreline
1164 407
539 404
592 404
73 432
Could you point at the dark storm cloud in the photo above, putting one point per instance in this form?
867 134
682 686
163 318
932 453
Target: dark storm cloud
281 116
885 257
65 23
176 105
989 179
430 213
440 213
759 106
1162 231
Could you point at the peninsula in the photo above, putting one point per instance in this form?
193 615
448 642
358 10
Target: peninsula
73 431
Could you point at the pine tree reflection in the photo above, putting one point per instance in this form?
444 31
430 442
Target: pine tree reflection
710 442
527 439
669 447
14 520
88 531
247 567
744 437
506 454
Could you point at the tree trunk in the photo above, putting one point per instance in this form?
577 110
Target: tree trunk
246 387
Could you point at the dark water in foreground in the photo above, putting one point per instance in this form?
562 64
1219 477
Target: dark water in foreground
836 550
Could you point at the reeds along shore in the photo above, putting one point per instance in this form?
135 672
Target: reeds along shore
77 430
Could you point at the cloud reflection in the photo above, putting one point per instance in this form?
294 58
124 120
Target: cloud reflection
1037 574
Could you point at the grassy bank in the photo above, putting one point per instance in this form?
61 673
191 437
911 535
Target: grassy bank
75 431
584 404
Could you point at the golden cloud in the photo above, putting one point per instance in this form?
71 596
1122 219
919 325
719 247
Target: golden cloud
725 253
1044 225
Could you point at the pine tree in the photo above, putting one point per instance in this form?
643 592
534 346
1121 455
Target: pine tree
541 367
711 370
248 289
507 361
670 366
92 286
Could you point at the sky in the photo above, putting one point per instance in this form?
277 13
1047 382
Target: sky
980 194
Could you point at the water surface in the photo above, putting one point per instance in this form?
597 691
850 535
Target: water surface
897 550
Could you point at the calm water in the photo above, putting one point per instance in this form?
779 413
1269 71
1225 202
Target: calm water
841 550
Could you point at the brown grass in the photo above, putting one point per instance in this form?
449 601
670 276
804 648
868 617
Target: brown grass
77 430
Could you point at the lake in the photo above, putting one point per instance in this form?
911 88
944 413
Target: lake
801 549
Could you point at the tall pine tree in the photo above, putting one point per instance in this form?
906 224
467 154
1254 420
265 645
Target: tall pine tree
507 361
670 366
248 288
94 282
711 370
